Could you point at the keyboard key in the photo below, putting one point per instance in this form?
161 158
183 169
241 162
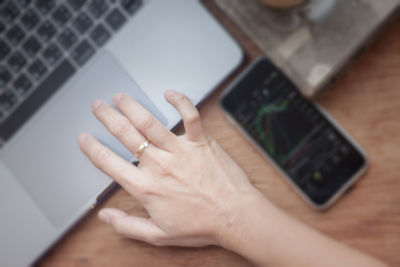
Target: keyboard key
115 19
131 6
61 15
7 100
22 85
31 46
45 6
77 4
83 52
82 23
16 62
2 26
15 35
98 7
42 92
30 19
5 76
24 3
100 35
46 31
37 69
52 54
67 38
4 50
9 12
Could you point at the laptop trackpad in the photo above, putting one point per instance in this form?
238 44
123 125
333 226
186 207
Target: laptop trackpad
44 156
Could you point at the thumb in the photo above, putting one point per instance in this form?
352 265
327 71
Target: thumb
134 227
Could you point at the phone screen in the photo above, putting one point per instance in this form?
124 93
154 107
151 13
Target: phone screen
292 131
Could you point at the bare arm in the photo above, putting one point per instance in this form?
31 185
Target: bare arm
196 195
269 237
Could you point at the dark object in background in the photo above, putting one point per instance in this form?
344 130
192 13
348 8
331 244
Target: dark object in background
307 147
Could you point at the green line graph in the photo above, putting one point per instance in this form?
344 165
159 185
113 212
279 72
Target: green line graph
266 134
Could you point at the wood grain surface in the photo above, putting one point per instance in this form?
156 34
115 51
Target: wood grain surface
365 101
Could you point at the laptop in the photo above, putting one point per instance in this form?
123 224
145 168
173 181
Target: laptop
56 58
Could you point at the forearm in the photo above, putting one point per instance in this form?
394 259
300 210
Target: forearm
268 237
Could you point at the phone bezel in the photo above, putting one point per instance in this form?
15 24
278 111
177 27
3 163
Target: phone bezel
343 188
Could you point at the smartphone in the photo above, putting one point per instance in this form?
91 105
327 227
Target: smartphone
302 141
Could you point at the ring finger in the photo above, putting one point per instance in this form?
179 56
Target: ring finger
120 127
145 122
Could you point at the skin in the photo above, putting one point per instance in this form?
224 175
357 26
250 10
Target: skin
196 195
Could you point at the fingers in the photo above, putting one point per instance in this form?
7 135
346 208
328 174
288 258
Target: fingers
134 227
124 173
145 122
118 125
189 114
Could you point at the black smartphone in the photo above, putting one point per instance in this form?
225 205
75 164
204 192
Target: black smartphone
302 141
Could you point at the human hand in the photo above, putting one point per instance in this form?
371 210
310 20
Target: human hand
193 191
196 195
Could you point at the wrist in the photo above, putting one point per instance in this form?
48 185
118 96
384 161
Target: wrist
247 209
266 236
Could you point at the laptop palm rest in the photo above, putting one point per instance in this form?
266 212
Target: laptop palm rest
58 177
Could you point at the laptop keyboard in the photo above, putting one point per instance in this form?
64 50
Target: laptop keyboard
44 42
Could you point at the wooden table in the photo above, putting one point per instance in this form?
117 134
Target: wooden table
366 101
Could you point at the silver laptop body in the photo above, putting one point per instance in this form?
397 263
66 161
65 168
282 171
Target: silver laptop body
46 184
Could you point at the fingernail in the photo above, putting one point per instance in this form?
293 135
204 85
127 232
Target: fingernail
117 98
81 139
96 104
169 92
104 216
